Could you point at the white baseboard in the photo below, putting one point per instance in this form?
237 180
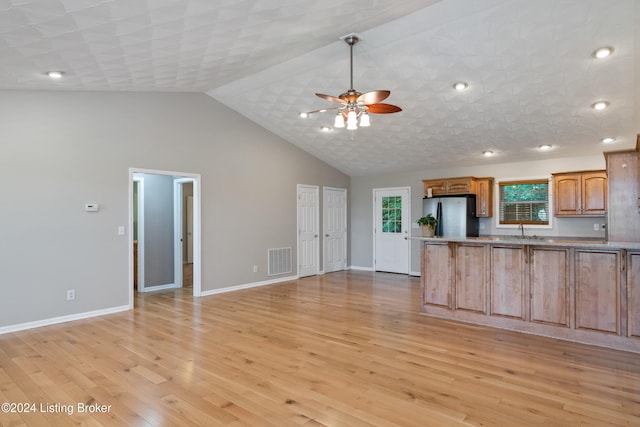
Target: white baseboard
414 273
247 286
62 319
159 287
355 267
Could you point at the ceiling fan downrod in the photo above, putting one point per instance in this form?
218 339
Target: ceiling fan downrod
351 40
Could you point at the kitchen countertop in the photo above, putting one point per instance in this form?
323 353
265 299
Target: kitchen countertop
535 240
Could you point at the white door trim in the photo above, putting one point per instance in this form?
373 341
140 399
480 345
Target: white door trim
140 181
178 237
324 227
408 231
316 188
196 179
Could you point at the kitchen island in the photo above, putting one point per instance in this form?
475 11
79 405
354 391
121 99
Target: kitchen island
579 290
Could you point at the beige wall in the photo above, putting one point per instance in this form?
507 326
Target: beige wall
362 201
60 150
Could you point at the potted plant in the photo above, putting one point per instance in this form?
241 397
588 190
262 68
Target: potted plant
428 224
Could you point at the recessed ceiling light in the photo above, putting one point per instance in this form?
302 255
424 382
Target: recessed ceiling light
545 147
460 86
304 115
488 153
325 129
600 105
608 140
603 52
55 74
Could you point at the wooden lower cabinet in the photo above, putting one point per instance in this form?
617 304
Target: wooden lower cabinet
437 274
549 285
588 294
597 285
471 278
633 294
507 281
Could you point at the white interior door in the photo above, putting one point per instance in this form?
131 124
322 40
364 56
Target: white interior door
308 230
391 230
334 219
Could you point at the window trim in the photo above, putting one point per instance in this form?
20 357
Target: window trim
550 196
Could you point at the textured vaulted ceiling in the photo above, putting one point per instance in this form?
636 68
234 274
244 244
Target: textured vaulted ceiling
531 75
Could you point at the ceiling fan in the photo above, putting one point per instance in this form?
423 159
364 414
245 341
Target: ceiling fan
355 105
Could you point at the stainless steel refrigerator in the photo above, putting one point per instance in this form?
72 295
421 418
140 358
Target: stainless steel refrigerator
456 215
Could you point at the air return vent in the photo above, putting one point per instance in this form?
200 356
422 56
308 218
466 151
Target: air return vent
279 261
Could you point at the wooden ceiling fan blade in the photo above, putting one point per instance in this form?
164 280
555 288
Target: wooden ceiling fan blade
374 96
330 98
383 108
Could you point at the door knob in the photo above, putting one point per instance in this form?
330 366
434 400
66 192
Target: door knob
315 235
326 235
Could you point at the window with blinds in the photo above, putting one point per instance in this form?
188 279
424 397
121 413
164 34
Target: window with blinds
524 202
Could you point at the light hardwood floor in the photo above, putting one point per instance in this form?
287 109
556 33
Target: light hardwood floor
343 349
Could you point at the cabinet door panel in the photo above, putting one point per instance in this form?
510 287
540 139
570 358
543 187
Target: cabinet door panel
567 195
597 291
549 282
507 281
461 186
633 294
438 187
594 193
484 198
470 278
436 271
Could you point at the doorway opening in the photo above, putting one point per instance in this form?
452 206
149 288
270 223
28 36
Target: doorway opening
164 216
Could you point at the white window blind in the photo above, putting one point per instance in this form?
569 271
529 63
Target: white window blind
524 202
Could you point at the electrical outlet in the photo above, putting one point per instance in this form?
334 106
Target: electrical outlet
596 227
71 294
255 268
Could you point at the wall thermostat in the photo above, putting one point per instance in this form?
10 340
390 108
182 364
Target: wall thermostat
92 207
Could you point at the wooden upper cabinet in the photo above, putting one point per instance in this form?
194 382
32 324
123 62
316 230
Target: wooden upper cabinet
623 169
580 193
484 197
450 186
594 193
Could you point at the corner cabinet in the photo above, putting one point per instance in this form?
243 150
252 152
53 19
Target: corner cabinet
580 193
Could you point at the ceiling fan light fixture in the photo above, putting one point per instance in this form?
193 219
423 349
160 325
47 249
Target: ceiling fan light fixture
355 106
352 120
364 120
608 140
545 147
488 153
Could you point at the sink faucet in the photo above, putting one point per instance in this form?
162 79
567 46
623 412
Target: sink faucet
521 227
